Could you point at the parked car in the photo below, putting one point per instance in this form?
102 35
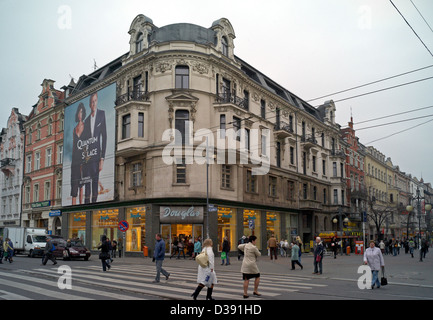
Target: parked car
73 249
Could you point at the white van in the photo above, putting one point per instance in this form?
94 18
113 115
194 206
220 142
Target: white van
30 241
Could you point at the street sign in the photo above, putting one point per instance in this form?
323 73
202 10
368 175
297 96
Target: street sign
123 226
251 224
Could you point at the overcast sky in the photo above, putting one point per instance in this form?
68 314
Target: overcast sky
310 47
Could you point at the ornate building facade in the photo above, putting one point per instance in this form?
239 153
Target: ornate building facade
11 165
182 85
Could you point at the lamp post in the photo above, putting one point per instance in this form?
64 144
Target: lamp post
346 220
410 208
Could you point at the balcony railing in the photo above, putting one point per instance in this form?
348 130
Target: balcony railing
132 96
232 99
7 162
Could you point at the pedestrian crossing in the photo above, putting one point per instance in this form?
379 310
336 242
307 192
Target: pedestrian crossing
134 282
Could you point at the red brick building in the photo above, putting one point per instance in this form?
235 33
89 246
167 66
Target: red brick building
43 161
355 169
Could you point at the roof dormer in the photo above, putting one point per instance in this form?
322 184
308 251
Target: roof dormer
141 30
225 35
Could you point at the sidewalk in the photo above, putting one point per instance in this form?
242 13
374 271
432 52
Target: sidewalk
401 269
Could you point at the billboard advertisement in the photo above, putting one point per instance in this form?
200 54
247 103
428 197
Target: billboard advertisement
88 149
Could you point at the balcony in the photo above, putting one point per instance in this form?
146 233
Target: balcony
132 96
227 98
310 204
338 153
282 130
7 165
308 141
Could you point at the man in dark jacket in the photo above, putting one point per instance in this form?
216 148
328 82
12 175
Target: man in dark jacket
48 253
159 255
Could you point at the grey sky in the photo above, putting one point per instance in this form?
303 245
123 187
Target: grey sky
310 47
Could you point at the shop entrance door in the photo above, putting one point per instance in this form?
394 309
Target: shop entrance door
180 231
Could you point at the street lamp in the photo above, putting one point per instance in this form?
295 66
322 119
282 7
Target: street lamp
410 208
346 220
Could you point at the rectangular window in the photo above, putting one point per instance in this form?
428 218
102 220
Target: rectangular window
60 155
47 190
27 194
305 191
335 196
292 155
278 154
290 190
126 126
251 182
272 186
314 163
140 124
324 167
181 124
222 126
304 162
182 77
247 139
181 171
237 128
48 158
226 172
37 161
36 193
28 163
263 109
334 168
136 175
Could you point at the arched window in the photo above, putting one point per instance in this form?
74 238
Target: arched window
139 43
225 46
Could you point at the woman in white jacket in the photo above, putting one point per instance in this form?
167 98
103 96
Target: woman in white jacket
374 258
208 271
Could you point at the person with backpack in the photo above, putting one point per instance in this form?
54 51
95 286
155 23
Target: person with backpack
48 253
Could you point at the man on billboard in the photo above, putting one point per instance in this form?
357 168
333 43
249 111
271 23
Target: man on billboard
96 133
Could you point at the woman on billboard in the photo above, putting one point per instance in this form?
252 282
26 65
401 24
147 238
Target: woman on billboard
77 158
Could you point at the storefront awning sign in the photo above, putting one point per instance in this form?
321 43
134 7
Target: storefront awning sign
178 214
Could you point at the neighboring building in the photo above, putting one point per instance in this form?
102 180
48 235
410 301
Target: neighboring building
11 165
43 161
355 172
186 77
378 187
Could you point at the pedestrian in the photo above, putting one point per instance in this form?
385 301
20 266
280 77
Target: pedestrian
295 256
120 247
174 247
197 247
1 250
242 240
382 246
424 249
334 246
181 248
113 248
374 258
49 252
286 247
318 256
225 251
272 244
8 250
206 276
158 256
104 255
249 267
411 246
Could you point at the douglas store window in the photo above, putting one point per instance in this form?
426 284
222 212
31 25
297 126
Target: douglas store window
104 222
135 236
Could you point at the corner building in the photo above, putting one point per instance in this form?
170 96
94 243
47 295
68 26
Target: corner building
186 77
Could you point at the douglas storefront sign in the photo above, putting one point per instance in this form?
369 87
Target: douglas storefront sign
175 214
